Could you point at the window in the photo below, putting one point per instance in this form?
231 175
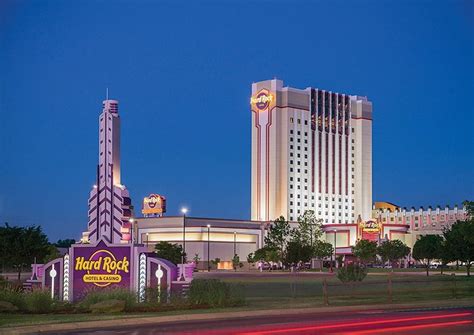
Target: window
291 178
297 204
305 133
291 161
291 203
291 146
291 195
299 121
291 131
298 179
298 155
352 140
291 154
298 196
299 132
291 120
306 122
291 210
306 197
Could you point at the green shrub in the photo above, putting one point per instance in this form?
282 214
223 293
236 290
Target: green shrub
214 293
38 301
351 273
99 295
13 295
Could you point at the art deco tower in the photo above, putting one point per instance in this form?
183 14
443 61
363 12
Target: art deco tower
109 200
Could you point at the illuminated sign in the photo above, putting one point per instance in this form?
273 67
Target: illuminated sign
262 99
370 230
102 268
370 227
154 204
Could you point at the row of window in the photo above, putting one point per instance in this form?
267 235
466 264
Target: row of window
298 121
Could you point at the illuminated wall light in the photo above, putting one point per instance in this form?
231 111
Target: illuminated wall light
142 278
66 278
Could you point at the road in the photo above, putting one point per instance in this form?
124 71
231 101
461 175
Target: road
419 322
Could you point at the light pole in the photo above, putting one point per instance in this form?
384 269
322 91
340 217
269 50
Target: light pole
184 210
335 235
147 241
131 220
235 246
208 247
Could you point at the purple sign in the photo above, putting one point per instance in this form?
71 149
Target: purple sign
100 267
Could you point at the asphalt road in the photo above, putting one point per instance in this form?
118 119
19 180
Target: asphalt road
419 322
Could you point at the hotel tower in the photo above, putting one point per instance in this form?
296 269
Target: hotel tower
311 149
109 200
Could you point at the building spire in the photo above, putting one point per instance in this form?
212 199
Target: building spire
107 93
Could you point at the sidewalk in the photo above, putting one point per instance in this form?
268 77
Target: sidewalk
226 315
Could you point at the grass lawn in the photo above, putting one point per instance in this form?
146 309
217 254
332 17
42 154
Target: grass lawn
297 291
305 291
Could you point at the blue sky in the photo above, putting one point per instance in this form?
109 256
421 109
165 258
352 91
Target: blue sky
183 72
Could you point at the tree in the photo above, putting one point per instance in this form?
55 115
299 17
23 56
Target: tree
196 259
427 248
392 251
250 259
296 252
446 254
65 243
277 236
460 242
309 228
365 251
265 254
22 245
469 206
169 251
322 250
236 262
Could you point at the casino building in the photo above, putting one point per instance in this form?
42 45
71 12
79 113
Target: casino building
311 149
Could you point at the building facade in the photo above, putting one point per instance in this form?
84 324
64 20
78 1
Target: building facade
311 149
109 201
208 238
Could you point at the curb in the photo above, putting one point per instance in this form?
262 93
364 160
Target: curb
148 320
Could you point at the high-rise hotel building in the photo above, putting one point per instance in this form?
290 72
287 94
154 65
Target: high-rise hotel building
109 200
311 149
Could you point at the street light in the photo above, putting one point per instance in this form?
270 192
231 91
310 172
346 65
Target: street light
131 220
147 241
208 247
235 234
184 210
335 235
